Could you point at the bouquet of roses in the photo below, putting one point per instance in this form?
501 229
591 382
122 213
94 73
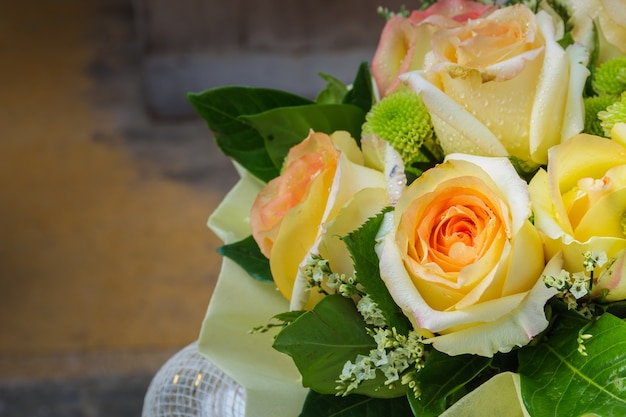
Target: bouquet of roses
444 236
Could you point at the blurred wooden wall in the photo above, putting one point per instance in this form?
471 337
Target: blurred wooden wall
195 44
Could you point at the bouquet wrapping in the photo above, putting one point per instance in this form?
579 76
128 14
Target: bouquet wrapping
444 236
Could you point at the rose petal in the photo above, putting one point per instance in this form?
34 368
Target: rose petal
460 10
613 23
613 279
296 236
554 226
295 243
549 107
610 208
457 130
514 329
574 118
410 300
514 189
357 211
397 52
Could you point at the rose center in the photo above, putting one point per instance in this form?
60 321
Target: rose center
457 230
586 193
457 237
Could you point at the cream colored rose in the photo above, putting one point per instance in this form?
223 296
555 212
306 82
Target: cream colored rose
580 206
460 256
609 17
326 190
502 85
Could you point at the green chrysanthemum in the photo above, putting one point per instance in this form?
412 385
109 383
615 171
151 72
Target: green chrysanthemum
402 120
615 113
594 105
610 77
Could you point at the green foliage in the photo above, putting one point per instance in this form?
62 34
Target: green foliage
556 379
289 316
361 245
222 109
404 12
321 341
523 169
442 381
257 126
593 106
247 255
362 92
610 77
283 127
320 405
531 4
333 93
614 114
566 40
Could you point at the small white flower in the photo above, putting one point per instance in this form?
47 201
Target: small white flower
580 286
364 368
391 374
334 280
578 290
399 358
348 370
370 311
560 281
381 338
379 357
594 259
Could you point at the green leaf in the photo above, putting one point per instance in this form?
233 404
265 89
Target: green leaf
361 244
284 127
362 92
556 380
333 93
246 254
321 341
442 381
566 40
320 405
289 316
222 109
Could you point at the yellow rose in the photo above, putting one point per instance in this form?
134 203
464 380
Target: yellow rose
580 206
502 85
460 256
610 19
326 190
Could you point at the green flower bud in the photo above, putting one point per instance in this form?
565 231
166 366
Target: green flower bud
615 113
402 120
610 77
594 105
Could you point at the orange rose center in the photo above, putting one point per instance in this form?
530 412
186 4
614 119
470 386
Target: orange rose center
454 229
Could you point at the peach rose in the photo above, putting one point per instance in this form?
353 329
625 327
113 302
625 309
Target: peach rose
326 190
405 41
460 256
580 206
502 85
